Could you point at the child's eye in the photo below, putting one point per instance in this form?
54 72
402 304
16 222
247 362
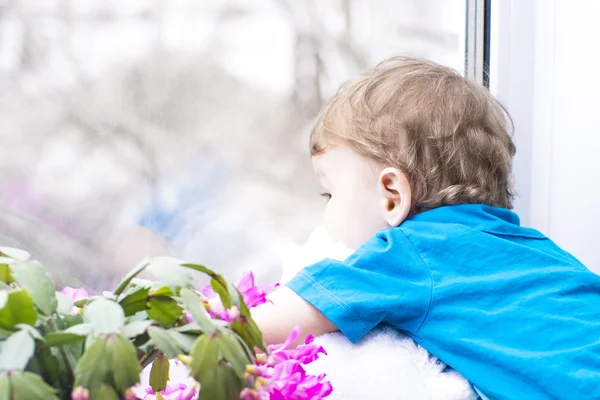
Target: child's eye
326 195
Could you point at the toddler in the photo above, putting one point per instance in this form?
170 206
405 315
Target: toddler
415 161
398 369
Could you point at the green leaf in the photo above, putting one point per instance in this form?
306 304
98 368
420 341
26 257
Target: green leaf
205 359
204 270
125 368
7 260
223 293
94 365
105 392
226 385
250 353
70 320
130 276
5 386
142 282
3 298
194 328
16 254
80 329
65 304
232 351
138 316
26 385
163 341
109 359
62 338
16 351
135 300
169 271
82 302
217 381
76 349
136 328
164 310
32 276
5 274
159 374
31 330
162 291
241 304
110 295
193 304
228 293
4 334
249 332
190 327
105 316
45 363
184 341
18 308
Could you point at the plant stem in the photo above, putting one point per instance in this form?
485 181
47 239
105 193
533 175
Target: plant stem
128 278
67 356
149 358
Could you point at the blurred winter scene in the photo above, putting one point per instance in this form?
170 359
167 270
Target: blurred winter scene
179 127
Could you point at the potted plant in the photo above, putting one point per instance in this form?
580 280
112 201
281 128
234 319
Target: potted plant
69 345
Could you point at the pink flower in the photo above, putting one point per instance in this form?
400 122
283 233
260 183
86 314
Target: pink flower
253 296
75 295
175 391
277 376
291 382
80 393
304 354
282 375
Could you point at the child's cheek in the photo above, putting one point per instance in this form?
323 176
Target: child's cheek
333 219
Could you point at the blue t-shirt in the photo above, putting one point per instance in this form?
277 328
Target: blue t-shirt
501 304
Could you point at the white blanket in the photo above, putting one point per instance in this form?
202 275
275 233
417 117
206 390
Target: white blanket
384 365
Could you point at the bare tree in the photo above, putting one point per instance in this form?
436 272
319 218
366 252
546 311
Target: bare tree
154 148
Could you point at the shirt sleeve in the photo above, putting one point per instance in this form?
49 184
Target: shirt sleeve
384 281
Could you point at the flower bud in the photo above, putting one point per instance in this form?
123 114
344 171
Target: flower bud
260 382
249 394
129 395
261 358
233 313
80 393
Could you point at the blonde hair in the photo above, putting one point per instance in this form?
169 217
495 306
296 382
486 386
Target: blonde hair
445 132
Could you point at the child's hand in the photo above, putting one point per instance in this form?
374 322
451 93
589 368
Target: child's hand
286 311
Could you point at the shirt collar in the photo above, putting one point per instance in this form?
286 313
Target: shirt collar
494 220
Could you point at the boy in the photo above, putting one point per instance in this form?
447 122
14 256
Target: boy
416 163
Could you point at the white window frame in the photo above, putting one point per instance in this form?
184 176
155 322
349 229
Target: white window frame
527 92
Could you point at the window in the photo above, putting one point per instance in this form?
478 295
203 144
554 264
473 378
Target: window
132 128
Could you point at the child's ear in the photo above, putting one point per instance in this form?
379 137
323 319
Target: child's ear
396 195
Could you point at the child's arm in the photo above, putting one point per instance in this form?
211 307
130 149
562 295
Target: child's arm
288 310
384 281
